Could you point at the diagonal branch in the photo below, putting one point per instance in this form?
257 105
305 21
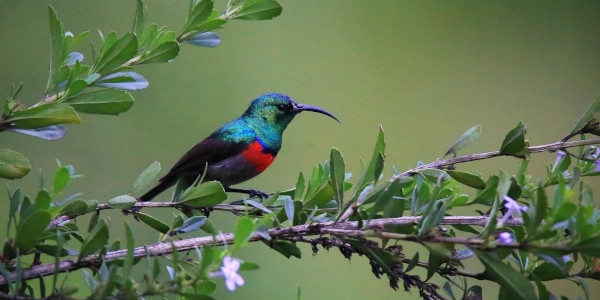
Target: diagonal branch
473 157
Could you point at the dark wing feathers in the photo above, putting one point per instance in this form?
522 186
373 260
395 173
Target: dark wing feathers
208 151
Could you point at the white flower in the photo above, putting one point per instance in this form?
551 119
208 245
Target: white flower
512 207
229 269
506 238
68 33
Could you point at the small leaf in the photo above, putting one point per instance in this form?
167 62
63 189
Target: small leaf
43 116
140 18
123 80
516 285
31 228
337 170
198 14
413 262
204 195
258 10
61 179
122 202
13 165
299 191
97 239
258 205
152 222
289 209
165 52
468 179
51 133
368 175
74 208
286 248
57 37
244 229
514 142
128 261
190 224
204 39
105 101
589 115
115 52
146 177
465 139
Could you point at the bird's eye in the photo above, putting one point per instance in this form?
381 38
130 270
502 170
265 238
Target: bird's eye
282 107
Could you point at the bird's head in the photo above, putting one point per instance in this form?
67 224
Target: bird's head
278 110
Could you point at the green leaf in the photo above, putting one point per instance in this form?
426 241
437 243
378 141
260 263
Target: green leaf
548 271
468 179
465 139
13 165
204 195
74 208
590 115
163 53
435 174
105 101
432 217
61 179
140 18
516 285
43 116
115 52
337 174
258 10
31 228
57 37
514 142
198 14
286 248
122 202
244 229
152 222
128 261
413 262
42 200
384 197
191 224
299 191
368 175
97 239
146 177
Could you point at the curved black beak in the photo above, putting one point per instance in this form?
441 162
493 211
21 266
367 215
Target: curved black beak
305 107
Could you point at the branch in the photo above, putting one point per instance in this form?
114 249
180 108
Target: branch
473 157
479 156
102 206
346 228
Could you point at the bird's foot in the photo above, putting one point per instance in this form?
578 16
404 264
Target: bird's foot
257 193
251 193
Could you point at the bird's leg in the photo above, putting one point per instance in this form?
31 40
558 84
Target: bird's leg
251 193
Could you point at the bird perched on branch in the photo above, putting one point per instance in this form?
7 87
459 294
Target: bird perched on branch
240 150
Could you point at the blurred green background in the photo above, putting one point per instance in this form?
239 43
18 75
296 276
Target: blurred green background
425 70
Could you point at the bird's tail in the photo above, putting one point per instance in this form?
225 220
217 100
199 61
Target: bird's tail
159 188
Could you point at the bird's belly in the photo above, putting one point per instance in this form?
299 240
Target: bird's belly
233 170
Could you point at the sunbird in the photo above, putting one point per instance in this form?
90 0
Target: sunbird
240 150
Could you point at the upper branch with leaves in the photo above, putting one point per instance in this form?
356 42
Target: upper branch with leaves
101 87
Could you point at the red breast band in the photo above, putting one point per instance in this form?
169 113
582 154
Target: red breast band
257 157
